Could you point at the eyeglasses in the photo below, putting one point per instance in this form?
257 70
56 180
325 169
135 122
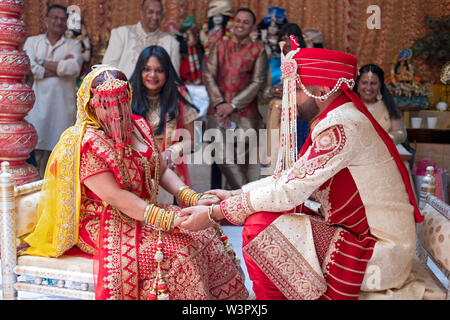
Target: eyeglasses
55 18
151 12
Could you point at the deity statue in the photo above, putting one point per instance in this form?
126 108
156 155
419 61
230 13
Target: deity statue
404 85
191 52
269 28
313 38
218 24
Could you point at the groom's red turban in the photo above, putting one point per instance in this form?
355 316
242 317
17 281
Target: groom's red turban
323 67
337 70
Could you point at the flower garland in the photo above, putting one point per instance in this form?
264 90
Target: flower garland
205 31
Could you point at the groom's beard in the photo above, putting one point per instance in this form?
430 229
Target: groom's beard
308 110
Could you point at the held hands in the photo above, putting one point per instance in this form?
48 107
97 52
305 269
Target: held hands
210 200
179 221
197 218
223 194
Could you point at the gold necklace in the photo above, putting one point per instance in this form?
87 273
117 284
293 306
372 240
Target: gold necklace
153 101
153 189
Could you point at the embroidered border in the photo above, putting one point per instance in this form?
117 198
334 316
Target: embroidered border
326 146
236 209
285 266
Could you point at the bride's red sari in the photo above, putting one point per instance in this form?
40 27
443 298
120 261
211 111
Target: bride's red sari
196 265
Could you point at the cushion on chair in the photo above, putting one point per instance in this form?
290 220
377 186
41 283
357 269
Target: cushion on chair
67 263
26 213
433 291
434 235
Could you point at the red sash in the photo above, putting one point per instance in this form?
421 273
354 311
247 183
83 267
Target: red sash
392 150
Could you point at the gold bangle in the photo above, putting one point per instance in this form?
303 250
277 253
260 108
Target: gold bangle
189 197
147 213
168 220
210 217
207 196
180 190
164 218
154 215
183 194
159 218
194 199
173 216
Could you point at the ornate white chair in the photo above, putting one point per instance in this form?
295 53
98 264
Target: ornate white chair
66 276
433 244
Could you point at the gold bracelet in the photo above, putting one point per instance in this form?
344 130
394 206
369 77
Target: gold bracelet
159 218
147 213
207 196
194 199
189 197
164 218
173 216
210 217
151 212
168 220
183 193
180 190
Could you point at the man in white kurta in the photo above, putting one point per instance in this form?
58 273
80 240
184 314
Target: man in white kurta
55 64
363 236
127 42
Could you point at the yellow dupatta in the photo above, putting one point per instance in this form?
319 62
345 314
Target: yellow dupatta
59 205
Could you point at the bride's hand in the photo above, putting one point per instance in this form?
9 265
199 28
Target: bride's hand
223 194
207 201
196 218
179 220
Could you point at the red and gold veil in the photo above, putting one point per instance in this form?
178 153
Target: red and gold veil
59 205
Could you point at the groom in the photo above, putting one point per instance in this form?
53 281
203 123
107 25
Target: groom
363 236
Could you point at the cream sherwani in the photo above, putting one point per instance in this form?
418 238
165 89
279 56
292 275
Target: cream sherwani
127 42
380 112
54 109
350 172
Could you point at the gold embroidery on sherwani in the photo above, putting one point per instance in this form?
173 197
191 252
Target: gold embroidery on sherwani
325 146
236 209
323 197
334 244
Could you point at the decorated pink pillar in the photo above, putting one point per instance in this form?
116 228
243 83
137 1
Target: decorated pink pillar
17 137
